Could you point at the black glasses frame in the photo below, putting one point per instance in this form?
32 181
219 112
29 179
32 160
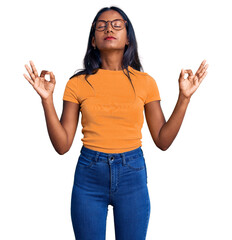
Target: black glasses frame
106 22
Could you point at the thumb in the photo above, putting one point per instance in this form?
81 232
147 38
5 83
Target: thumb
52 78
182 72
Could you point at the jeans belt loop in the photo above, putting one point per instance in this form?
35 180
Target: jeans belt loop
96 156
123 159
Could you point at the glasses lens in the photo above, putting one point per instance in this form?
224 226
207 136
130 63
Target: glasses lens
117 24
100 25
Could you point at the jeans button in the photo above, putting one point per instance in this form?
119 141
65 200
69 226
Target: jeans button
111 158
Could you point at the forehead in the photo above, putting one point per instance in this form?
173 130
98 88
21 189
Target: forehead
110 15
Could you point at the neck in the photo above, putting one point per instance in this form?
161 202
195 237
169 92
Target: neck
112 61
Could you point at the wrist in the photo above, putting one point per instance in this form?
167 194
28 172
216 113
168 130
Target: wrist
47 100
183 98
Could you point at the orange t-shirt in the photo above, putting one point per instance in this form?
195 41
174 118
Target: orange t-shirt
112 117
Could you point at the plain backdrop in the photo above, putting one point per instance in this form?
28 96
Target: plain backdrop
189 184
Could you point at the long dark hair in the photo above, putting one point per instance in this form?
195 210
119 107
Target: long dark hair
92 60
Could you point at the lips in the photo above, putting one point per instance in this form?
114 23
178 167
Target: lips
109 38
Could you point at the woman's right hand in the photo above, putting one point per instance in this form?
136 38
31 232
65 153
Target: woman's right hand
43 87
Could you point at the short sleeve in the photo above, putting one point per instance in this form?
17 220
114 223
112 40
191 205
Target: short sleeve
152 90
70 92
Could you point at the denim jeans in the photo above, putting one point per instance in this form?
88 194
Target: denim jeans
118 179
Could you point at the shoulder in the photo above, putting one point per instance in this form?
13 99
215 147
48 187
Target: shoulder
143 75
77 79
138 73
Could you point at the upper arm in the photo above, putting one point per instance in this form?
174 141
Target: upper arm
155 119
69 120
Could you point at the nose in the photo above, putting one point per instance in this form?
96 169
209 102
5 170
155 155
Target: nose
108 26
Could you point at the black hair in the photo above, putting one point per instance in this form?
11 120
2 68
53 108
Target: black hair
92 61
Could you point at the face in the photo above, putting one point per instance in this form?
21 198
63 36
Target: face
120 35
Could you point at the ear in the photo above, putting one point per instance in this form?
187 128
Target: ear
127 42
93 42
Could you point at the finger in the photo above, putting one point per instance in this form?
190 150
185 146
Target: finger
201 79
52 78
203 70
30 72
189 71
34 69
43 73
28 79
201 67
181 73
195 80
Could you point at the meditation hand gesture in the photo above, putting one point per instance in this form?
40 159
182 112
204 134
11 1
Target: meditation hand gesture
189 85
43 87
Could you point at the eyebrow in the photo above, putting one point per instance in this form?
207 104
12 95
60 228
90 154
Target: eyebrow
109 20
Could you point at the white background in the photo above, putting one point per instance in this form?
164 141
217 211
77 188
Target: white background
189 184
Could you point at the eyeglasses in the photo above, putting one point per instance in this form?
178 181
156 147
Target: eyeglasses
117 24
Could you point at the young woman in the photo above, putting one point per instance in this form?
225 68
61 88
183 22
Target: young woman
111 93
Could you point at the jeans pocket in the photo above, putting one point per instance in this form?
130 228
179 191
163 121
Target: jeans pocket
136 163
146 171
85 162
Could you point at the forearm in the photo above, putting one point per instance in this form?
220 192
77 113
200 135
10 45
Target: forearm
55 129
169 130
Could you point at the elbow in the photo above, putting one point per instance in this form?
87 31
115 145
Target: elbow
163 148
64 146
163 145
62 151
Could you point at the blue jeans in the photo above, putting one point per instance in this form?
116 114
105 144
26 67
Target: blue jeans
118 179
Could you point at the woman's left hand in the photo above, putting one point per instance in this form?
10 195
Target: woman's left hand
189 85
